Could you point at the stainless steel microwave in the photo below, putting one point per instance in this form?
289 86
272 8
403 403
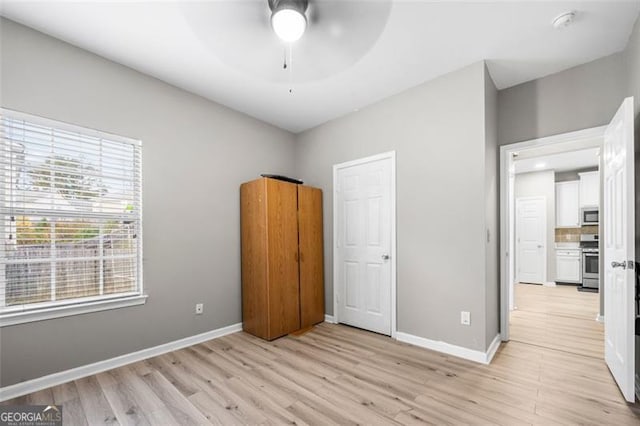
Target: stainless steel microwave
589 216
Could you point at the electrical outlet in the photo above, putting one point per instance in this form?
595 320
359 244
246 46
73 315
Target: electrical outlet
199 308
465 318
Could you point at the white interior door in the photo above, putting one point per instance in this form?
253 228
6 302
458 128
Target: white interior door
531 239
619 250
363 246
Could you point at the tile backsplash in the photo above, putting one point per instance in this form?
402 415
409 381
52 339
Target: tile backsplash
572 235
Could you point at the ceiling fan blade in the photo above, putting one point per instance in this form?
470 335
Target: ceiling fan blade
239 34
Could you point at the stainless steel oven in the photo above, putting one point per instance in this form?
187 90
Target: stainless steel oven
590 260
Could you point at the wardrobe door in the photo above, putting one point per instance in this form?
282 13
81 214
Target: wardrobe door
311 254
253 223
282 247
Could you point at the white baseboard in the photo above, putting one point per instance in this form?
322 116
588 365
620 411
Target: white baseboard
493 348
449 349
600 318
330 319
34 385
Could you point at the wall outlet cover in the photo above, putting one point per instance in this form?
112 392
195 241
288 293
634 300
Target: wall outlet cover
465 318
199 308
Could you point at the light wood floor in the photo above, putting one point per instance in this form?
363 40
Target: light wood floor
559 317
340 375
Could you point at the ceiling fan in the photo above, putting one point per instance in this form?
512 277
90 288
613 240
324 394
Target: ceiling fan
326 36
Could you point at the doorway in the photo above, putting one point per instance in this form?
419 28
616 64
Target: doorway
616 277
536 169
364 253
555 302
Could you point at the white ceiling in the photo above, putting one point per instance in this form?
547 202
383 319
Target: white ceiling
562 162
362 52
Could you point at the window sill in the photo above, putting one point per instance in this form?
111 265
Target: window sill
22 317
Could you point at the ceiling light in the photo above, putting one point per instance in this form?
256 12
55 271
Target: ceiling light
288 19
540 165
563 20
288 24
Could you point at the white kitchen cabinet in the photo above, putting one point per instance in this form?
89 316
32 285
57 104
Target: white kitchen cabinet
568 266
589 189
568 204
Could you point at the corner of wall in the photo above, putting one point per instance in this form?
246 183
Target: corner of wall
492 209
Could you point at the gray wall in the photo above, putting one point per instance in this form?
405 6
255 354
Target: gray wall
492 209
632 57
579 98
541 184
440 178
195 155
570 175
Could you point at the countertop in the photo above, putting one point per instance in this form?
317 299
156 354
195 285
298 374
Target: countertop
565 246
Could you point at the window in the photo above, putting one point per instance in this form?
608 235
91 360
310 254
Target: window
70 219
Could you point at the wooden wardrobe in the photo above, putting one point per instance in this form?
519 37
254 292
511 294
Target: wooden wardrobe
282 267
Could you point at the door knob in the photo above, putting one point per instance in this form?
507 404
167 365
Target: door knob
385 257
622 265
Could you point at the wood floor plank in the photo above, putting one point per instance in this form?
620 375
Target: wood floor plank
264 402
313 415
216 389
230 361
176 403
415 417
381 402
65 392
216 413
95 405
123 403
74 414
43 397
169 366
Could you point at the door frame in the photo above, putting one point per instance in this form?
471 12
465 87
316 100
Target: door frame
507 207
517 244
393 261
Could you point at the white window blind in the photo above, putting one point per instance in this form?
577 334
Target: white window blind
70 214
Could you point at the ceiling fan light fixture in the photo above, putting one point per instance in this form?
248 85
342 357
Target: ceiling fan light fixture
288 19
